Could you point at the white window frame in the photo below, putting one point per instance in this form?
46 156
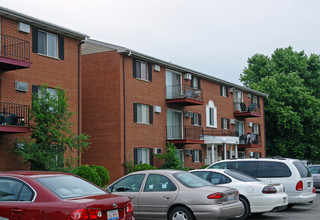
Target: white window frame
211 109
48 43
143 155
143 112
144 75
196 154
255 100
195 82
225 123
195 119
224 91
255 129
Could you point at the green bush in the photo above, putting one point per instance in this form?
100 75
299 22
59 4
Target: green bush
88 173
103 174
144 166
204 166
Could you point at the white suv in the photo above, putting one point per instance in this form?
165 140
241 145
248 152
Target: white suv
295 177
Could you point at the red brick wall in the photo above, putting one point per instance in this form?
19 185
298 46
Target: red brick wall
54 72
103 112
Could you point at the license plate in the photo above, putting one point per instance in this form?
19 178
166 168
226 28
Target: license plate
230 198
309 184
113 214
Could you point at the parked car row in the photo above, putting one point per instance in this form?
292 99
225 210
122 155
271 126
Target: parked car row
315 171
227 189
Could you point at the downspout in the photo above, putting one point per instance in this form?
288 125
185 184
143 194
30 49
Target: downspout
79 99
124 111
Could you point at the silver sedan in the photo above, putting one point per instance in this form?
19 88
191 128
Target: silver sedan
176 195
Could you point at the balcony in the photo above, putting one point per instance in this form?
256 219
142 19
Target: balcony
184 95
185 134
246 110
249 141
215 136
14 53
14 118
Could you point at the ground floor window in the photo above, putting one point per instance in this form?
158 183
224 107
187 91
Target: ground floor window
143 155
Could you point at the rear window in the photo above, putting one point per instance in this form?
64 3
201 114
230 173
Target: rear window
241 176
222 165
303 170
270 169
248 167
314 169
190 180
70 186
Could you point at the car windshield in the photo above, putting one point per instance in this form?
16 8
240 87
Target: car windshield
70 186
241 176
190 180
314 169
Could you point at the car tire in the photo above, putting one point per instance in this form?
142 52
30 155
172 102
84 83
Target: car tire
181 213
289 206
246 211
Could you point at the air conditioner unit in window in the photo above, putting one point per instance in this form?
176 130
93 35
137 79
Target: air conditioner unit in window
232 89
21 86
188 114
187 76
233 121
188 152
158 151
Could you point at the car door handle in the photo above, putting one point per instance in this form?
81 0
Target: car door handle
16 210
166 197
131 197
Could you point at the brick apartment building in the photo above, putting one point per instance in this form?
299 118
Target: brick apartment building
134 103
33 52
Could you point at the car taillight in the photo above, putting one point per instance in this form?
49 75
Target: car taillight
269 189
299 186
314 190
85 214
216 196
129 207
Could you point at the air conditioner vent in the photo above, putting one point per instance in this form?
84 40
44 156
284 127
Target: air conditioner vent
188 152
21 86
187 76
233 121
158 151
188 114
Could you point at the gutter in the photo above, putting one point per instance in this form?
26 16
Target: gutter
79 99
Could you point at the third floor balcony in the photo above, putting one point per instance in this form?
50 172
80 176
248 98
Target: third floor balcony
246 110
184 95
14 53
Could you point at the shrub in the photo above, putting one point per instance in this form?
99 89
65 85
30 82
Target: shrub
144 166
87 173
204 166
103 174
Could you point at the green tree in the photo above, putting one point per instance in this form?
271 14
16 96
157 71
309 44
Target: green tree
292 109
52 145
171 161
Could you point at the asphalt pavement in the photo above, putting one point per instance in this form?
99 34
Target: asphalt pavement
309 211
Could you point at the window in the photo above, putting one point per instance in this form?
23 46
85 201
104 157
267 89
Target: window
130 183
269 169
47 44
143 113
143 155
225 124
159 183
196 119
255 101
197 156
256 129
211 112
142 70
13 190
195 82
224 91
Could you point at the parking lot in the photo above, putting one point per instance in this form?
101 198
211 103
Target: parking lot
309 211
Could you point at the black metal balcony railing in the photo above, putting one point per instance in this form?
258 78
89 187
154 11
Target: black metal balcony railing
14 114
184 133
183 91
15 48
223 132
250 138
242 107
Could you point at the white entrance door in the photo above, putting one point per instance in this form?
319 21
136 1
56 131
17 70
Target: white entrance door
173 84
238 98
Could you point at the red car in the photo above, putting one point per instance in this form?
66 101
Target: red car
30 195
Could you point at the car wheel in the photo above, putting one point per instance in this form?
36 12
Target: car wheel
289 206
181 213
246 211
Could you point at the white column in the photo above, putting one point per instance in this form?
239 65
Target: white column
236 150
213 159
230 151
224 151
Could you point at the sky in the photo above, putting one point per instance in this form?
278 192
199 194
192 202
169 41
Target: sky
214 37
